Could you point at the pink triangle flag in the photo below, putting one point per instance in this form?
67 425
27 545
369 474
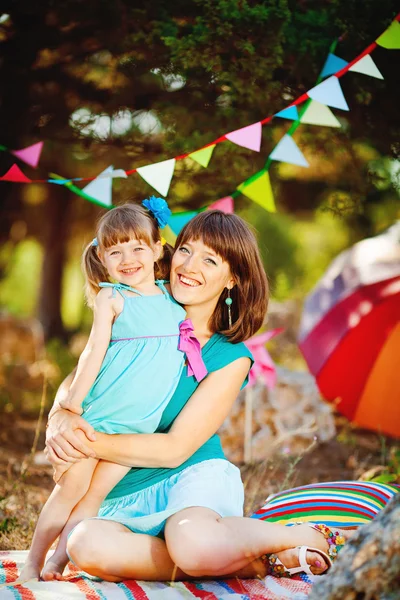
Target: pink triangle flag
224 204
29 155
248 137
16 175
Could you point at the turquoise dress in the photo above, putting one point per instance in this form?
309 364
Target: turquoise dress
142 366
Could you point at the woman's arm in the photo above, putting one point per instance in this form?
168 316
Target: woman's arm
92 356
199 420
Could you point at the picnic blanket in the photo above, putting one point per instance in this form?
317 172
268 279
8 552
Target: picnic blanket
80 586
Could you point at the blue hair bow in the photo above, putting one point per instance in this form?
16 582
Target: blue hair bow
159 209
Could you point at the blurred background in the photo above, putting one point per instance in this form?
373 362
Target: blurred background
130 84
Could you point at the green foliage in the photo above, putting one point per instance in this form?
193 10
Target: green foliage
18 290
391 473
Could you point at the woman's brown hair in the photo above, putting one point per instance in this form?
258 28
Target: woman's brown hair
119 225
234 241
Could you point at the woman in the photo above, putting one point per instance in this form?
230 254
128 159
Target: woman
185 488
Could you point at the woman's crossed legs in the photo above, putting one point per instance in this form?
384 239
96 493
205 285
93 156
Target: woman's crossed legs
198 544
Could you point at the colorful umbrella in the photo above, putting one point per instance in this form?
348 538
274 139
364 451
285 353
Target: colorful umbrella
350 332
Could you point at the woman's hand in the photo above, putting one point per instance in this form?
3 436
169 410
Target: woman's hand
64 440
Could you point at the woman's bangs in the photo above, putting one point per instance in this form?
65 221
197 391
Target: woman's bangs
212 236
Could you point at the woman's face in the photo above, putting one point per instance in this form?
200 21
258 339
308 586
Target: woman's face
198 275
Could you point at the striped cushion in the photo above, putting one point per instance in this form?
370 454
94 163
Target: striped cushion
337 504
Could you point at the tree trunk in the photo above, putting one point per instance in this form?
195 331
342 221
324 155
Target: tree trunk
55 246
368 568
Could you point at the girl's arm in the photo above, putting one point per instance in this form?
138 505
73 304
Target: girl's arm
199 420
92 357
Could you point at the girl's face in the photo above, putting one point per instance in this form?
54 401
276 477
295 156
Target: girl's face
199 275
131 262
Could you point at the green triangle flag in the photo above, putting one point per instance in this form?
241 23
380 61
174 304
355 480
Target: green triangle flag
390 38
319 114
258 188
169 235
203 156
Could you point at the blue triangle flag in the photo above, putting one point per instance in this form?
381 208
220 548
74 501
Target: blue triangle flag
288 113
332 65
178 221
287 151
330 93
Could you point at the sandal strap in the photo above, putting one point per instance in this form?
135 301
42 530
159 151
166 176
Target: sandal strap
335 539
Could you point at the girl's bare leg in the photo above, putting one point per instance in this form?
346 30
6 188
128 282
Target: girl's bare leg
111 551
105 477
65 495
202 543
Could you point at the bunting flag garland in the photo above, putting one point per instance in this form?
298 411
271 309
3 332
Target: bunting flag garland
169 235
390 39
290 113
332 65
248 137
315 111
329 92
203 156
15 175
158 175
319 114
100 189
258 188
366 66
224 204
287 151
29 155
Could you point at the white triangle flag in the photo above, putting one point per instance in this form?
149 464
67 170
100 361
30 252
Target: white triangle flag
319 114
366 66
287 151
100 189
158 175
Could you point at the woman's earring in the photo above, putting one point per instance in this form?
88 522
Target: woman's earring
228 302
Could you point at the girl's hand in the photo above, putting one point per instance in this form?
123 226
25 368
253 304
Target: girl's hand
64 443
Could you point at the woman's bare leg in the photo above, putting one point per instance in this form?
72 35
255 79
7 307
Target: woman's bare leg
111 551
65 495
105 477
202 543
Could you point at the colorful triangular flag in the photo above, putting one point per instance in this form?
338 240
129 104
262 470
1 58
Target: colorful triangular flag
159 175
248 137
366 66
169 235
332 65
16 175
330 93
290 112
178 221
390 39
287 151
258 188
224 204
100 189
29 155
203 156
319 114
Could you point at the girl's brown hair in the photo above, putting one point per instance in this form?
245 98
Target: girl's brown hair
119 225
234 241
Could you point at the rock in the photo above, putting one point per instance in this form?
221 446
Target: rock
287 418
368 567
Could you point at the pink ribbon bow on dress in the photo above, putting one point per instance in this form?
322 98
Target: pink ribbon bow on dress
263 367
189 344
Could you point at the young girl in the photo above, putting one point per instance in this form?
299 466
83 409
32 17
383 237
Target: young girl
129 369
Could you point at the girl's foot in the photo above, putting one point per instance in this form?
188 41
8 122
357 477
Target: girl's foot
29 571
53 569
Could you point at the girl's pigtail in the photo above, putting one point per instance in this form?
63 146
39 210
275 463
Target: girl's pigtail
93 271
163 265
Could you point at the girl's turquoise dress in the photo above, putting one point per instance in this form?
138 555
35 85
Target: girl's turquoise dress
142 366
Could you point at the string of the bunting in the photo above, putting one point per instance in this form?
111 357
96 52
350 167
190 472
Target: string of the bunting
316 101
